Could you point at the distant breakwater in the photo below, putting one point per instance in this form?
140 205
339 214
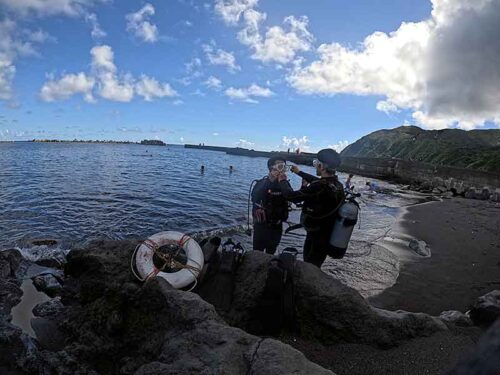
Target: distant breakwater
397 170
302 158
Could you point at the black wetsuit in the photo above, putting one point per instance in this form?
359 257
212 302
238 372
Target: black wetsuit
270 210
321 199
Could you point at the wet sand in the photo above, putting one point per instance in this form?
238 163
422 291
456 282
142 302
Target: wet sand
464 237
426 355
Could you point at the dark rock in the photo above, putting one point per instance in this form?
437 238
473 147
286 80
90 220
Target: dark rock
419 247
103 265
48 284
10 296
21 353
50 262
486 358
442 189
456 317
44 242
332 312
48 334
326 310
470 194
486 309
48 309
4 269
118 326
121 328
9 262
220 348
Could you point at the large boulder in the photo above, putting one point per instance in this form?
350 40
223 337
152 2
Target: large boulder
486 309
48 284
123 327
326 310
48 309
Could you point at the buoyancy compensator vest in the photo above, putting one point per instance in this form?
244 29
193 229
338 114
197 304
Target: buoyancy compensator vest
270 207
319 211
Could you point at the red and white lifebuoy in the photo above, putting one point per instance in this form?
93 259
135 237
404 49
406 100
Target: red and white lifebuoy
180 279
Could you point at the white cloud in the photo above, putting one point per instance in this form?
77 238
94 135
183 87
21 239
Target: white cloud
102 58
13 44
213 83
178 102
279 44
109 85
387 107
106 82
67 86
339 146
150 88
48 7
244 143
215 134
96 32
231 10
301 143
444 69
248 94
217 56
139 24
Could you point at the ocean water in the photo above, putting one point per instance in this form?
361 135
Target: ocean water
78 192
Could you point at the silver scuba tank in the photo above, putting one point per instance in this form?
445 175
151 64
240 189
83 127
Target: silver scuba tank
347 217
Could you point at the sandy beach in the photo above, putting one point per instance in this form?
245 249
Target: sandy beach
465 243
464 238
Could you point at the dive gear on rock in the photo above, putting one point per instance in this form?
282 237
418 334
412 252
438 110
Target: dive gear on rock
276 309
218 285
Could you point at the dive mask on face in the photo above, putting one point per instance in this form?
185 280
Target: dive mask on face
281 167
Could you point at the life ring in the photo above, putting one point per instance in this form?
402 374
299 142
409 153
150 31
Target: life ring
180 279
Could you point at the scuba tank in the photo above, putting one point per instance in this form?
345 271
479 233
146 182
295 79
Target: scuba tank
347 217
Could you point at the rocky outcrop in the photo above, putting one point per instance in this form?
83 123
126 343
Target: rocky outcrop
107 323
118 326
326 310
456 317
486 309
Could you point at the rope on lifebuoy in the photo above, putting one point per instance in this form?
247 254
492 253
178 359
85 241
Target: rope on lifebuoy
168 260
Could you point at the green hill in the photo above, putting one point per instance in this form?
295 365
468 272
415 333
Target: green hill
476 149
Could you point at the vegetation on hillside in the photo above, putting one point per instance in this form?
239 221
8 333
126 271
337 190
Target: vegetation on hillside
476 149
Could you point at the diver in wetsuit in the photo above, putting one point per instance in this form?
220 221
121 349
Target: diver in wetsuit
270 208
321 197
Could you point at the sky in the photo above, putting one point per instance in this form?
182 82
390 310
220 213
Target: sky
263 74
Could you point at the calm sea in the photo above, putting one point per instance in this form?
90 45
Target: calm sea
79 192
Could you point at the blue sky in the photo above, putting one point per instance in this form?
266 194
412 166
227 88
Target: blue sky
263 74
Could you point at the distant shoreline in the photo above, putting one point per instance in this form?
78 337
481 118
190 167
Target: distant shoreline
146 142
